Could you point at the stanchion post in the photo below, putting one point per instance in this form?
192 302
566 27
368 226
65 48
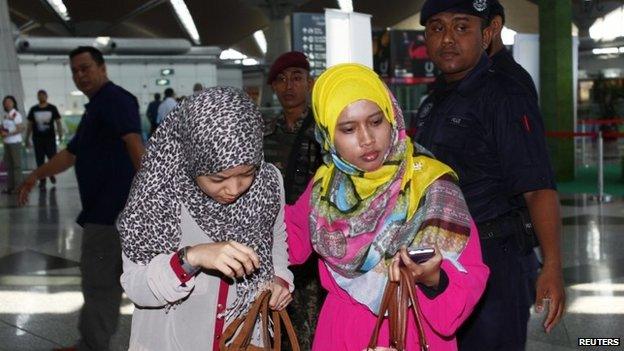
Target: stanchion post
583 146
600 168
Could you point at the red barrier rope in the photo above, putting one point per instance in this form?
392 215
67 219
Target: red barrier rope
570 135
601 121
612 134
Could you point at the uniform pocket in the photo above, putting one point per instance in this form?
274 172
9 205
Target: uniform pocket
454 134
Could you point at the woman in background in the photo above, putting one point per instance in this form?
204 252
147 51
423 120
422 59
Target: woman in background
11 132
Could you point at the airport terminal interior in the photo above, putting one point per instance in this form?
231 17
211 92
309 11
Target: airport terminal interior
573 49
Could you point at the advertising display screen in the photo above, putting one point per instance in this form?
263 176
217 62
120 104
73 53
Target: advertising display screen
401 57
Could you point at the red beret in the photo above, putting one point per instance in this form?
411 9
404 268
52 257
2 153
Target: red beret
287 60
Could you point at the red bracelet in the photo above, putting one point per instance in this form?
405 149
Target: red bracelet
178 270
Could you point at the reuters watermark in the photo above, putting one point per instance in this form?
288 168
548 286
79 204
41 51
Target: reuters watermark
599 342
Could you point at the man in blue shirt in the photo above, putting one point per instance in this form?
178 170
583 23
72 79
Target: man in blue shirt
105 152
152 113
488 128
166 106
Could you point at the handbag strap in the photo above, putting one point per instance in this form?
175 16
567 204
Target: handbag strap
243 338
396 301
410 284
290 330
387 296
260 308
264 314
277 331
229 332
398 316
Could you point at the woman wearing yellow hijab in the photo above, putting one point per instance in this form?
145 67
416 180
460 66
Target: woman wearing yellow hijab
375 195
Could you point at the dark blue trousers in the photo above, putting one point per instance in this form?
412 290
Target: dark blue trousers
499 321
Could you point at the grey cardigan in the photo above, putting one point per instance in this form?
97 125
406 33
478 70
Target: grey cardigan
188 325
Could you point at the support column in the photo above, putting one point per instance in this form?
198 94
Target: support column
278 42
10 76
278 38
556 85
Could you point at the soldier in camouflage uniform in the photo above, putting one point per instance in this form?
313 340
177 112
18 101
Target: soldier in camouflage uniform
289 144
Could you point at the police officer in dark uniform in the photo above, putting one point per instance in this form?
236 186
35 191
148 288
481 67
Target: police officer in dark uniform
487 127
502 60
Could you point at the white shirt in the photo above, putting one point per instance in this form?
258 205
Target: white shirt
164 108
10 122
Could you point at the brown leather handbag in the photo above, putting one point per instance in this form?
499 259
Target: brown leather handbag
240 336
396 301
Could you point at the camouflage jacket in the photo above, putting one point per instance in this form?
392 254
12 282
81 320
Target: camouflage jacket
280 149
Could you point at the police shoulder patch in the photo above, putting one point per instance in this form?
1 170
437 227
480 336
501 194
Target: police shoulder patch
480 5
424 112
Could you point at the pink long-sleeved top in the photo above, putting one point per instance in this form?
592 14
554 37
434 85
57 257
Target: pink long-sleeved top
345 324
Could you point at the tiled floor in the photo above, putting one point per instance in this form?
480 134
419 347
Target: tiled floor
40 283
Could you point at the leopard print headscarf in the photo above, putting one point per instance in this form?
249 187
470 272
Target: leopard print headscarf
208 133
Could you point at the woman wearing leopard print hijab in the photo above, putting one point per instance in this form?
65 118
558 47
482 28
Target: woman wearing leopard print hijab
203 231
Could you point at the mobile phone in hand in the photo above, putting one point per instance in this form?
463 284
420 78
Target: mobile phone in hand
420 254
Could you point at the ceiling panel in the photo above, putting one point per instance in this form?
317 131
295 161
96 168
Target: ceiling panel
225 22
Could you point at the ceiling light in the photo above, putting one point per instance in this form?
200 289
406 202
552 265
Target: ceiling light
161 82
187 20
250 62
605 51
167 72
261 41
60 9
608 27
103 41
231 54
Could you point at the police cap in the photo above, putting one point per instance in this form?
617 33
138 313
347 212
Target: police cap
431 8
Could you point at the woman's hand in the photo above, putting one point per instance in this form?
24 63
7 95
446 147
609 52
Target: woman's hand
280 294
427 273
228 257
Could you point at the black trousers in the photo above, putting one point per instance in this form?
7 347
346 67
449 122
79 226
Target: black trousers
499 321
44 147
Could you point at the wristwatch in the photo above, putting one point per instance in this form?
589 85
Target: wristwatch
186 266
